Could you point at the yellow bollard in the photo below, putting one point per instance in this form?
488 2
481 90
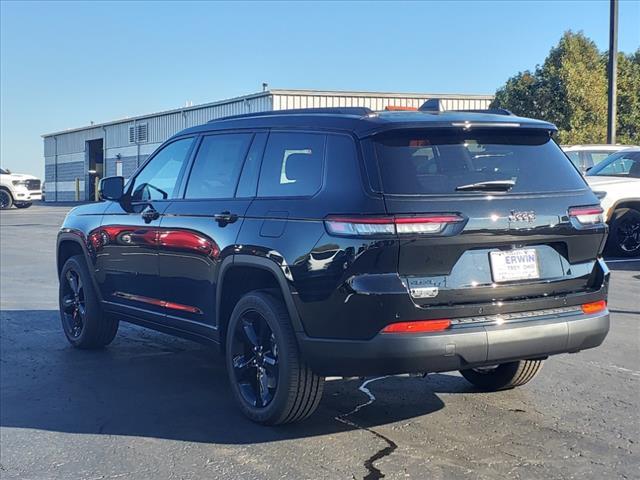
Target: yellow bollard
77 189
96 186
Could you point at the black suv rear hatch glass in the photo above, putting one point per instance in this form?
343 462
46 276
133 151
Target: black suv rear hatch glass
458 161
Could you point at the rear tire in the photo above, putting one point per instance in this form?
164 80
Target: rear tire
270 382
6 200
503 376
84 323
23 205
624 233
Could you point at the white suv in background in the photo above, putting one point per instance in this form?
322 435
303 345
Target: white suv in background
585 157
616 181
18 189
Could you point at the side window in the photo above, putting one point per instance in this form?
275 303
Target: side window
157 180
628 164
217 166
293 165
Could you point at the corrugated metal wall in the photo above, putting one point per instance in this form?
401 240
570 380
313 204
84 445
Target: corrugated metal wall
283 101
66 161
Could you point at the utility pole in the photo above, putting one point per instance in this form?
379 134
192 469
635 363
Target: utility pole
612 71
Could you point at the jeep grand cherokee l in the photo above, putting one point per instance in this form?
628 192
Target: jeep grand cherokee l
346 242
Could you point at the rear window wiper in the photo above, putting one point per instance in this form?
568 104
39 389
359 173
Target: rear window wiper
490 186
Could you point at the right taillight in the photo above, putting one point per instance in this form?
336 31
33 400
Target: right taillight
594 307
418 326
587 215
383 226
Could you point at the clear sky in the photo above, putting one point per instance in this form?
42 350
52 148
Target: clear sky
66 64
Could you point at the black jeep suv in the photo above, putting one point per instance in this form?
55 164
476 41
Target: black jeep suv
346 242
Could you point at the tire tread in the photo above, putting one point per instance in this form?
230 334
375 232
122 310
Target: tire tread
506 375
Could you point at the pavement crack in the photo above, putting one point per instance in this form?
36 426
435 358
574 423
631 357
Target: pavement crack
374 473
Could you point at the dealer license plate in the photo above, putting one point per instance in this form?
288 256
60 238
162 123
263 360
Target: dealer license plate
511 265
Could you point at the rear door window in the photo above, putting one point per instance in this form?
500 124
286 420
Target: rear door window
293 165
441 162
217 166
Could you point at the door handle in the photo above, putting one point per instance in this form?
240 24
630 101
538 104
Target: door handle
224 218
150 214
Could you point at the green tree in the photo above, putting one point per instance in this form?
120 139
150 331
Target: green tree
570 90
628 103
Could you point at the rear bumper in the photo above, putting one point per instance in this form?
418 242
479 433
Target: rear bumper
456 348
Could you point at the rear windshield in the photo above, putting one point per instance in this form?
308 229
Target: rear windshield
458 162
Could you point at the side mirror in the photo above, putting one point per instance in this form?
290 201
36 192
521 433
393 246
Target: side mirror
112 188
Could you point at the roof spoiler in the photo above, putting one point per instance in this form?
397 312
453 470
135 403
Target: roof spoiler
434 105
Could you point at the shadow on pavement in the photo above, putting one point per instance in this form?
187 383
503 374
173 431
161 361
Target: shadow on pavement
151 385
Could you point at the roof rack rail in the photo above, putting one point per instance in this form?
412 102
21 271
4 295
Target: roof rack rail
357 111
494 111
437 105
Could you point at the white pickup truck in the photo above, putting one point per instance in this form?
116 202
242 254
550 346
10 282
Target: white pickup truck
18 189
616 181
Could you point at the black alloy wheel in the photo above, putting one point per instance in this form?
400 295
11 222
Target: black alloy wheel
271 383
74 309
628 233
84 322
624 233
255 359
5 200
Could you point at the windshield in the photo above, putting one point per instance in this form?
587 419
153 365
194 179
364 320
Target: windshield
436 162
621 164
3 171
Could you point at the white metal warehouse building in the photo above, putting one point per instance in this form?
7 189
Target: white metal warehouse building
75 157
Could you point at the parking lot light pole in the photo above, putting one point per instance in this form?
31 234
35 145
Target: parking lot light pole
612 71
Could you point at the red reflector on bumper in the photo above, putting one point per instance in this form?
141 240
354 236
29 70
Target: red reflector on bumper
594 307
420 326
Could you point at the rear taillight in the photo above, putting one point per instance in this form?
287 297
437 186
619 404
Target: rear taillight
374 226
418 326
587 215
594 307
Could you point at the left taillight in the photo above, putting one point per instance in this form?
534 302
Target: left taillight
384 226
590 215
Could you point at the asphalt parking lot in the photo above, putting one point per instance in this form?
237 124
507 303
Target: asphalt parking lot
152 407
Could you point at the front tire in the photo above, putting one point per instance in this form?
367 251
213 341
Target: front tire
503 376
270 382
84 323
6 200
624 233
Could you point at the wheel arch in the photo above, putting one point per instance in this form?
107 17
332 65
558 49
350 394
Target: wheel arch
628 203
68 246
8 190
624 203
71 242
240 274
